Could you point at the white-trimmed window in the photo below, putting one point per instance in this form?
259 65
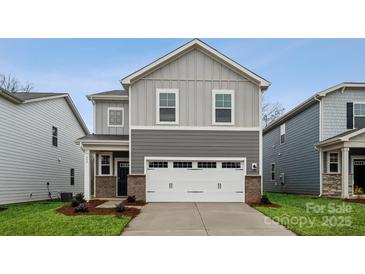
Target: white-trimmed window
333 162
273 171
223 107
105 164
282 134
359 115
167 106
115 117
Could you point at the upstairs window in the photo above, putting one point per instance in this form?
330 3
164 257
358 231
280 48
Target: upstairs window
359 115
105 164
282 134
72 176
115 117
223 107
54 137
167 102
333 162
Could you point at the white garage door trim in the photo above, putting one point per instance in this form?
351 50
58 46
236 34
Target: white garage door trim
195 159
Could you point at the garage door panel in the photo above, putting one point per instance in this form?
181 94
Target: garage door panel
195 184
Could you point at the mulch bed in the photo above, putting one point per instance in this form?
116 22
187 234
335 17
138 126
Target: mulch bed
137 203
265 205
356 201
3 208
91 205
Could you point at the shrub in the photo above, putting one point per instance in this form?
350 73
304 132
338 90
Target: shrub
131 199
119 207
81 208
265 199
75 203
80 197
358 190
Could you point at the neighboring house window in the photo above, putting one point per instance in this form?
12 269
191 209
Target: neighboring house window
282 134
105 164
273 171
72 176
115 117
223 107
167 106
359 115
54 137
333 162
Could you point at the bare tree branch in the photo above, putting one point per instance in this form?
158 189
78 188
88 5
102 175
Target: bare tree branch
271 112
12 84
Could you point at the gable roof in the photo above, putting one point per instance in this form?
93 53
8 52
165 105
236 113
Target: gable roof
195 43
312 100
107 95
31 97
342 137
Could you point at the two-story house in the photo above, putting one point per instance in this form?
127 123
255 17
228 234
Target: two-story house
38 155
186 128
318 148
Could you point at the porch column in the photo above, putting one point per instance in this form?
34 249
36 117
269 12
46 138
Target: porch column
345 172
87 174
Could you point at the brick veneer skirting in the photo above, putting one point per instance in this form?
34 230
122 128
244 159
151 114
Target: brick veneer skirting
252 189
105 186
136 186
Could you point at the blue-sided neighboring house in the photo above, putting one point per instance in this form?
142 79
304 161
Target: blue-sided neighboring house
318 148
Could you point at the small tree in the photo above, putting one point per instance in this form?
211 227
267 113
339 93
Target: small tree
12 84
271 112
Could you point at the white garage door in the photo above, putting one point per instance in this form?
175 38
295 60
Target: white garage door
195 181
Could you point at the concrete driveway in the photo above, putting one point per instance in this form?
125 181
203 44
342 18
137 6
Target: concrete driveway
199 219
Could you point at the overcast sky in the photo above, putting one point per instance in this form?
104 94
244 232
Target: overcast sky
297 68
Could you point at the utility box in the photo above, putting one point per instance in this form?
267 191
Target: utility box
66 196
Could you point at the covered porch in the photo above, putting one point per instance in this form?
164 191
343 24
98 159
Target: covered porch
106 165
342 160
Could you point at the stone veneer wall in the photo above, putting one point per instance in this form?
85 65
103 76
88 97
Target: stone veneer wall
136 186
252 189
105 187
331 185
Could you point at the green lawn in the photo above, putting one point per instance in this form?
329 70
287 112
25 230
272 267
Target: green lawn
41 219
316 216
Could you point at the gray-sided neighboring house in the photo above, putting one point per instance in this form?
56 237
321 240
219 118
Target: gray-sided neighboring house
37 146
185 128
318 148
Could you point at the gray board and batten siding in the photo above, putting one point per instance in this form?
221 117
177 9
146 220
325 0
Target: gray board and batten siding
195 75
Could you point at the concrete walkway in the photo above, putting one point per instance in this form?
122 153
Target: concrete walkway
199 219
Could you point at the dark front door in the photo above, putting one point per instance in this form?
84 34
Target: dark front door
123 170
359 173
